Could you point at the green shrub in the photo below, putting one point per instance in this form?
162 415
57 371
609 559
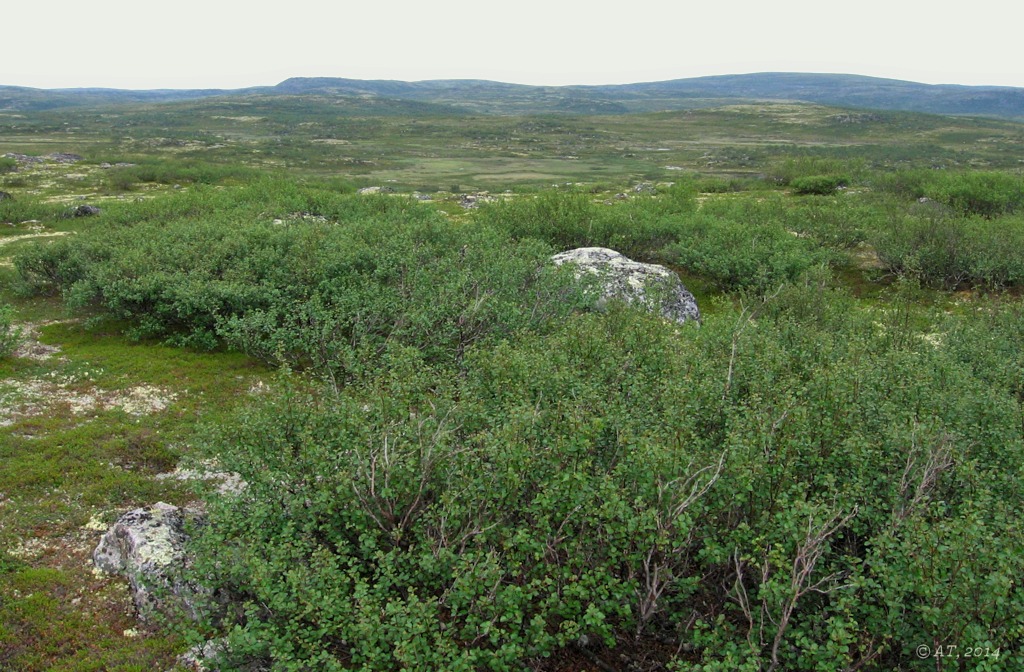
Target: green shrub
637 228
821 185
969 193
791 169
10 334
737 254
987 194
181 171
22 209
780 488
906 184
946 251
307 277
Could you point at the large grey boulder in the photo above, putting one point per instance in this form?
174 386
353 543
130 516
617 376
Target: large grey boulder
147 546
655 287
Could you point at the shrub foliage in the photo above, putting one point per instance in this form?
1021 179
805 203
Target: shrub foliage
461 468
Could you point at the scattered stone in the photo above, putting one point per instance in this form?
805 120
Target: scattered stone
147 546
650 285
64 157
83 211
644 188
24 159
4 196
376 190
197 658
855 118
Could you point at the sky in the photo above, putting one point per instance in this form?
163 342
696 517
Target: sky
230 44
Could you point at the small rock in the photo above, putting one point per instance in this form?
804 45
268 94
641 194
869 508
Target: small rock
83 211
64 157
207 656
4 196
147 546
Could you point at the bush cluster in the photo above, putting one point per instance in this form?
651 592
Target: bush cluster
968 193
792 486
949 252
304 277
744 245
459 468
821 185
571 219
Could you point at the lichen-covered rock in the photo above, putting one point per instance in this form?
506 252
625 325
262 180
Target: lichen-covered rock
147 546
650 285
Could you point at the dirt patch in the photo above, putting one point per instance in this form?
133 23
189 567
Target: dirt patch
30 347
865 258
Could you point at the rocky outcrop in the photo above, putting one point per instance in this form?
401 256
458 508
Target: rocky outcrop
655 287
147 546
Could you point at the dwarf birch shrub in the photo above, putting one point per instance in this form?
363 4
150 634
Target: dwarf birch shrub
737 254
781 488
638 228
948 251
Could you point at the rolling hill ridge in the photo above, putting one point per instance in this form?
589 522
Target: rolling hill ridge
487 97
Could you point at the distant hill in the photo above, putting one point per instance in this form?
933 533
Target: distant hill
486 97
25 99
838 90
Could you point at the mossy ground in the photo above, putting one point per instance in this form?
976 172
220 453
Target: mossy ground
78 450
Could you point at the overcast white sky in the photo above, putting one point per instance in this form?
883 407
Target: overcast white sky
222 44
